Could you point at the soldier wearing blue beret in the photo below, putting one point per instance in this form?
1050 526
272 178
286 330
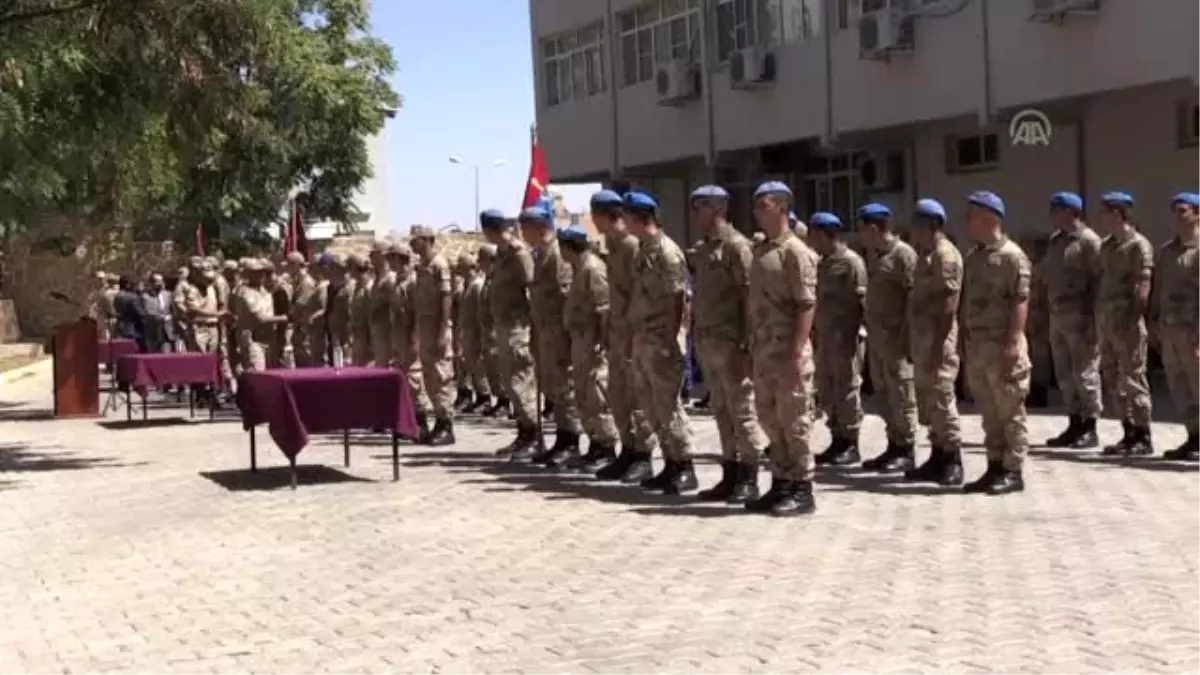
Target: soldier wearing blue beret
1176 316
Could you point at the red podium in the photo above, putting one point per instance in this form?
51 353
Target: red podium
75 348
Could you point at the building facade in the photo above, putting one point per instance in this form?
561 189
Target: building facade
881 99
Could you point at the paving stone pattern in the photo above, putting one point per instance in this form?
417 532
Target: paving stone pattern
152 550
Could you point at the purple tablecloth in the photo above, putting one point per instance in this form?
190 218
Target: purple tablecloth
296 403
140 372
111 350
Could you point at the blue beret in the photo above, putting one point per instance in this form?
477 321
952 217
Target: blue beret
640 201
572 233
1116 199
932 209
987 200
606 198
1066 200
325 258
874 211
1187 199
824 220
535 213
710 192
772 187
491 217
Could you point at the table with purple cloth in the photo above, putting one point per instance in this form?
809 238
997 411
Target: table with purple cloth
143 372
297 403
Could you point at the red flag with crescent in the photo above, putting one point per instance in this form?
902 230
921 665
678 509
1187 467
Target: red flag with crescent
537 187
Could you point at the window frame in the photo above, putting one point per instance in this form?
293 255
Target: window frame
647 38
1187 124
574 66
953 155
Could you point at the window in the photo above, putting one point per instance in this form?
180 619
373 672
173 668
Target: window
848 11
657 32
574 64
833 184
972 153
1188 123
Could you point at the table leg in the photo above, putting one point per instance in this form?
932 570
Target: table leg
395 456
145 407
292 461
346 447
129 405
192 403
253 451
212 407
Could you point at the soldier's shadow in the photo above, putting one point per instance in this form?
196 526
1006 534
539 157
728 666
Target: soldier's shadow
1095 459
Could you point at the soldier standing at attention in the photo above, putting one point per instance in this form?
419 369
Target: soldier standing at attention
255 319
585 316
467 323
380 306
632 465
433 304
656 315
512 321
933 330
179 302
890 266
1126 271
304 306
1068 277
318 322
204 316
1176 315
462 376
339 291
231 281
995 304
360 309
547 295
841 291
783 295
722 285
489 350
405 351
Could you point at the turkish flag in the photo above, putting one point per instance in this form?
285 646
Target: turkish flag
294 236
198 240
536 188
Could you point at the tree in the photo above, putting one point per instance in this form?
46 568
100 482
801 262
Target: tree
158 114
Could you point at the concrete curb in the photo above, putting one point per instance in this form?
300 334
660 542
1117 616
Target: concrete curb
18 374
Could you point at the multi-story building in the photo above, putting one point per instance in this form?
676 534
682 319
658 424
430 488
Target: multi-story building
882 99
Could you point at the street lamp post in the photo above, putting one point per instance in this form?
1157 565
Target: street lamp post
455 159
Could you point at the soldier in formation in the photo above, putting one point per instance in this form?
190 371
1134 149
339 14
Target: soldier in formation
470 334
432 302
1175 315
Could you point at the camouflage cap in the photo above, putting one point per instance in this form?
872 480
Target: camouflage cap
400 249
421 231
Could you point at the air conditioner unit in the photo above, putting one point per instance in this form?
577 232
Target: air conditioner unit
676 82
884 32
1056 9
882 171
751 67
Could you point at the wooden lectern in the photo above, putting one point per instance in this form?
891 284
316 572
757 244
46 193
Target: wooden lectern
76 351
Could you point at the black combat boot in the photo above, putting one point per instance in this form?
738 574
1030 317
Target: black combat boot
548 409
598 454
1141 445
478 404
1121 447
952 472
931 470
797 500
684 479
847 453
493 410
530 447
898 457
1068 437
764 457
463 397
1185 452
764 504
565 450
639 469
984 483
746 488
1087 437
544 453
663 479
522 438
617 468
422 428
833 450
442 433
723 490
1006 482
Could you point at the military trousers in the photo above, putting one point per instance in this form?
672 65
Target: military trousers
228 356
783 395
727 371
1076 352
516 369
589 369
1123 356
252 353
437 368
1180 347
657 374
892 375
632 426
360 343
999 389
407 359
302 345
474 365
557 384
381 341
937 406
490 356
838 380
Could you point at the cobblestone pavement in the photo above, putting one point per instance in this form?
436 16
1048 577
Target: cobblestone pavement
126 550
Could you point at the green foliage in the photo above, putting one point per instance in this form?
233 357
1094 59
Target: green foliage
165 113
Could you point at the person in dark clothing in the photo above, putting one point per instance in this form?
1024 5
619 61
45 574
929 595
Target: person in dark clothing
130 312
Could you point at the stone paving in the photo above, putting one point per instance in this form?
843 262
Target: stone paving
152 550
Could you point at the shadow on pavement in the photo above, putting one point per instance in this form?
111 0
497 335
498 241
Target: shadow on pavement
13 413
154 423
22 457
1094 458
276 477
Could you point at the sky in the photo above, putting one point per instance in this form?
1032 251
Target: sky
464 70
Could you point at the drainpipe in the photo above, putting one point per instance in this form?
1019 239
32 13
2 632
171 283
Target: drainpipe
1081 173
985 41
614 168
710 125
829 21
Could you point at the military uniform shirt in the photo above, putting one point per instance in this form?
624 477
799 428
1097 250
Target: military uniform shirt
512 273
255 308
889 281
783 283
551 280
1177 285
937 276
1125 263
722 282
588 297
659 277
433 283
622 249
1070 271
995 276
841 287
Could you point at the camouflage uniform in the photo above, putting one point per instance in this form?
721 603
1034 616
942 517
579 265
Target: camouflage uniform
254 327
489 350
203 331
1176 314
379 309
434 333
404 351
841 290
305 305
585 308
360 312
1126 262
889 283
548 292
337 309
511 320
938 276
474 360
